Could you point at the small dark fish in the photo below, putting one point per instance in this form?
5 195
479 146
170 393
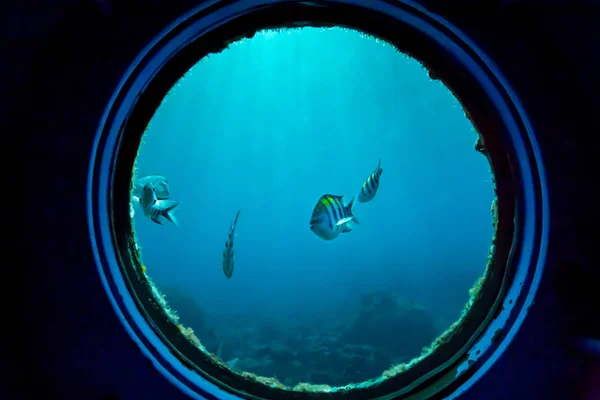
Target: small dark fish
154 208
331 217
369 188
228 253
159 182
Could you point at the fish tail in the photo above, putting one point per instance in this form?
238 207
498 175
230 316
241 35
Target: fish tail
168 212
236 217
234 224
378 171
350 209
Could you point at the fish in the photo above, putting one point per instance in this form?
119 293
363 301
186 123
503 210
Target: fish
331 217
154 208
228 253
370 186
159 182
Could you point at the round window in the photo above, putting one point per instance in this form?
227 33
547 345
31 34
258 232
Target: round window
294 201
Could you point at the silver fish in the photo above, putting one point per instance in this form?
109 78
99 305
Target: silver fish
159 182
370 186
228 253
154 208
331 217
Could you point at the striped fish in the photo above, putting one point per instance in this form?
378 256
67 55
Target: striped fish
159 182
369 188
154 208
228 253
331 217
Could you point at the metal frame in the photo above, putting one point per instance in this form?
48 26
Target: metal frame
533 203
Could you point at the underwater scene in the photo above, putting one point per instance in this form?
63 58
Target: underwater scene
309 207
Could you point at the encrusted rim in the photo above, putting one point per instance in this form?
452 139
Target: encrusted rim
508 146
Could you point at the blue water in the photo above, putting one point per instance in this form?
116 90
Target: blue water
271 124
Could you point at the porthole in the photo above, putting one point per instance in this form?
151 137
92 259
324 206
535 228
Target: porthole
454 353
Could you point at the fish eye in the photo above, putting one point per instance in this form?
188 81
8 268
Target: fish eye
409 334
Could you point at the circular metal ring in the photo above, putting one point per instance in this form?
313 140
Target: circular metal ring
528 255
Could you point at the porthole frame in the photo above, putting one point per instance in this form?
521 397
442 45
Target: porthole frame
522 204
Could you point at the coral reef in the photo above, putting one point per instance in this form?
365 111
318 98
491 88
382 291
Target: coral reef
339 356
192 316
384 321
381 333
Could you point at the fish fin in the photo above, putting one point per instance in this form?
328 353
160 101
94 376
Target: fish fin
335 196
350 208
168 212
379 165
350 205
234 222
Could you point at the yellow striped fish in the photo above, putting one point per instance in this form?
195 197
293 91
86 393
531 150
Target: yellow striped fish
331 217
369 188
